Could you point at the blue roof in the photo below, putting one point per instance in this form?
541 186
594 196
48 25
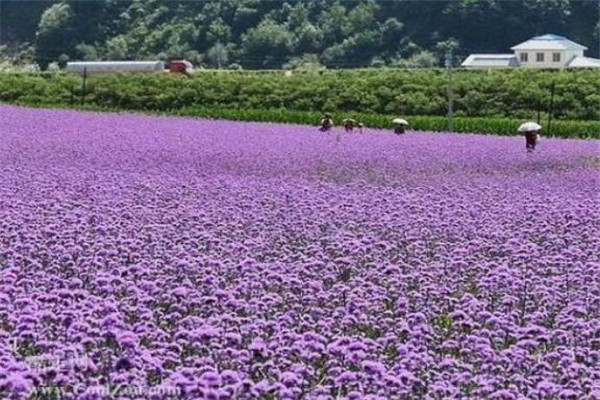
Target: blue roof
550 36
549 42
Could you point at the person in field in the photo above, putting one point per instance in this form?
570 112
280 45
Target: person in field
532 132
326 123
531 139
360 127
399 126
349 124
399 129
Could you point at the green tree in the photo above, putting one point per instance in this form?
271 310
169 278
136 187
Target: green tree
304 62
55 18
333 22
362 17
309 38
87 52
218 32
117 48
391 34
446 48
268 45
218 55
422 59
261 34
54 33
334 56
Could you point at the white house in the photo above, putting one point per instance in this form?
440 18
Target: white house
546 51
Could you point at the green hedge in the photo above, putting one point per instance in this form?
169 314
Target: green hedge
497 126
485 102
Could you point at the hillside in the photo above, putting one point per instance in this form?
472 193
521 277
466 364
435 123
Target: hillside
275 34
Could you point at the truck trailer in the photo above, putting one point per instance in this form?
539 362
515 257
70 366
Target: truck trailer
103 67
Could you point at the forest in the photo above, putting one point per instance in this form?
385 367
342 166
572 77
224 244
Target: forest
254 34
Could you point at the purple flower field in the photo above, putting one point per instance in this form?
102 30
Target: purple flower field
157 257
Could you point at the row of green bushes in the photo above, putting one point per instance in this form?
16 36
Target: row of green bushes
486 102
500 93
497 126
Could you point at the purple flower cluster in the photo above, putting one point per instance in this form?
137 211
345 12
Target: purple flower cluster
198 259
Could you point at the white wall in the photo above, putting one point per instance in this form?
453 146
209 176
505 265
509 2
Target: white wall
565 57
115 66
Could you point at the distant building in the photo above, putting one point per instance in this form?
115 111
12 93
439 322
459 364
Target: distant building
546 51
491 61
97 67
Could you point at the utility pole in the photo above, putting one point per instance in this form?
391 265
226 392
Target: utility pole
551 107
84 84
450 94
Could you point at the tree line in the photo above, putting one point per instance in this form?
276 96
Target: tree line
255 34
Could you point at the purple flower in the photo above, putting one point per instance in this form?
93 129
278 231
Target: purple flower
289 379
217 259
374 368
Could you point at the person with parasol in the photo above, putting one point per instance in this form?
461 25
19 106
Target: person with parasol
400 125
326 123
531 130
349 124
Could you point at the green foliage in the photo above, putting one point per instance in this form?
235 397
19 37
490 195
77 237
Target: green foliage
268 34
496 126
218 55
486 102
55 18
423 59
266 44
87 52
305 62
54 30
117 48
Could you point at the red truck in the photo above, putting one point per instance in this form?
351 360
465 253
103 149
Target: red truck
181 67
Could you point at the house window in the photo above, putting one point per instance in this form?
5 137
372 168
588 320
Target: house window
524 57
556 57
539 57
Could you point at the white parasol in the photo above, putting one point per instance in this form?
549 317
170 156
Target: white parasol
400 121
529 127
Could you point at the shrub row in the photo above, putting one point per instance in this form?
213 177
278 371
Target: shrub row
486 102
497 126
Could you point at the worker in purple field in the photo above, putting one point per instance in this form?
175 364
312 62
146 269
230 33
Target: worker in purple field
531 139
360 127
531 131
349 124
326 123
400 126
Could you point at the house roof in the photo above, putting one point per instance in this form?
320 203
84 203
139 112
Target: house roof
549 42
584 62
491 60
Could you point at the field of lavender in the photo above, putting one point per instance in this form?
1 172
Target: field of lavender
161 257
